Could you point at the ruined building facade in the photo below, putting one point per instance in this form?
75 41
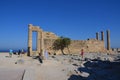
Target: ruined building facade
45 41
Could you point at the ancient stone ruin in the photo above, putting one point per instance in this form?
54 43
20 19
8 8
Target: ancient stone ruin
46 39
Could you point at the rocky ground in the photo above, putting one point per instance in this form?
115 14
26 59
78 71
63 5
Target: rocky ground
94 66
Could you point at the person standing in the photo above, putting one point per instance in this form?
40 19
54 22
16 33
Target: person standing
22 52
82 53
10 52
40 58
19 53
46 54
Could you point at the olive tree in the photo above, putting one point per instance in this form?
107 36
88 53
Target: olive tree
61 43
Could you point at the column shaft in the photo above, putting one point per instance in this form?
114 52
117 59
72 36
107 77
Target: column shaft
97 36
108 40
102 35
42 43
38 41
29 40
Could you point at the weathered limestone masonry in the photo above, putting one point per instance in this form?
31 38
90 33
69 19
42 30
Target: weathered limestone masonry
108 40
40 41
46 39
41 37
102 35
97 36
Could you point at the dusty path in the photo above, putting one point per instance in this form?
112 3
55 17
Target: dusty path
49 70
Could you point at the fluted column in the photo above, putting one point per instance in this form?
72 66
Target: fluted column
102 35
38 41
29 39
97 36
108 39
42 43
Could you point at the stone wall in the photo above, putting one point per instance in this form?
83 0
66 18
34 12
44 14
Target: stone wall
91 45
50 35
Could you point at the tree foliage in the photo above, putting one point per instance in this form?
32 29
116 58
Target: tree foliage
61 43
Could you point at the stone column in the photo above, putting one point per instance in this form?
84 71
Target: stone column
29 39
97 36
108 40
38 41
102 35
42 42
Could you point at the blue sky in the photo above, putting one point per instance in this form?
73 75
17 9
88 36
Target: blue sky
76 19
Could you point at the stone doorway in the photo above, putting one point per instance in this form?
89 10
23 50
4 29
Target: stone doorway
39 43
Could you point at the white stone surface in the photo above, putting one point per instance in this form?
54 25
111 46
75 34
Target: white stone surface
61 67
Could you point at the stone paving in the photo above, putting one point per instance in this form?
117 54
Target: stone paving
60 67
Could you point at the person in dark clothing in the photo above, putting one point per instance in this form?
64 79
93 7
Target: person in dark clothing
40 58
19 52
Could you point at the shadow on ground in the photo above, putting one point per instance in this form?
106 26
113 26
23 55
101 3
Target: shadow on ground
98 70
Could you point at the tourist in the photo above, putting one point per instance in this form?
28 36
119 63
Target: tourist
22 52
82 53
10 52
40 58
19 53
46 54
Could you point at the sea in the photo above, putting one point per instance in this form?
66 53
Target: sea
16 50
